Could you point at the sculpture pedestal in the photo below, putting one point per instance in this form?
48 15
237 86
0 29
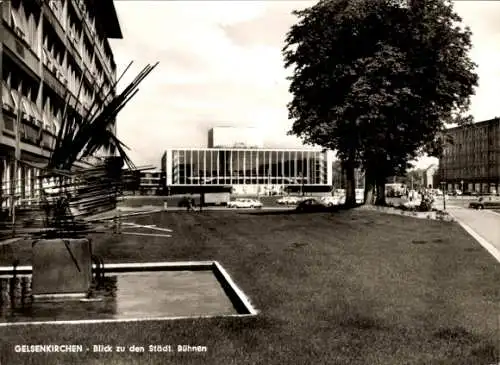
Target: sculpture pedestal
61 267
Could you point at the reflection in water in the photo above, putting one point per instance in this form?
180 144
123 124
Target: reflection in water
17 303
130 295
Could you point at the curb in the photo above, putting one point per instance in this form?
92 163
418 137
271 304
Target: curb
412 214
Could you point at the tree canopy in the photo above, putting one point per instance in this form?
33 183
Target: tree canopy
378 80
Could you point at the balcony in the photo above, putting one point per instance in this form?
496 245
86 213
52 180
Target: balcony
89 29
32 133
53 17
21 50
54 77
92 35
69 39
74 46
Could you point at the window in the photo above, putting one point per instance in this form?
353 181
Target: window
36 113
7 101
32 33
17 23
15 98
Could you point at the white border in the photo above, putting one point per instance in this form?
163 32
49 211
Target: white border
239 293
124 320
59 296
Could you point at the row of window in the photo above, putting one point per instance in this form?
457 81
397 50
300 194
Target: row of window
24 183
76 32
480 171
15 102
248 166
55 60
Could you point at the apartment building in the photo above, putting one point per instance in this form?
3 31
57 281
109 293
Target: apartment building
471 159
150 182
55 59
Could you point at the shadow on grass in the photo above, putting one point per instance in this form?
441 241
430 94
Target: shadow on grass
362 322
459 334
334 209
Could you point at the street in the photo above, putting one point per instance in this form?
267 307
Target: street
485 223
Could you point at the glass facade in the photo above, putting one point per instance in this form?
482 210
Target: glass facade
246 166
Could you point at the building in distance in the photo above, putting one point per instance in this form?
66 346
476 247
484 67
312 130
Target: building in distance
471 160
237 159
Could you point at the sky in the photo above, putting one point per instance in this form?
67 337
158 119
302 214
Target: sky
220 64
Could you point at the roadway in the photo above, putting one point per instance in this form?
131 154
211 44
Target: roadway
485 223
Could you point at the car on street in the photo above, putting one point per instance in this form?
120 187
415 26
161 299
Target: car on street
360 196
330 201
490 202
288 200
244 203
312 205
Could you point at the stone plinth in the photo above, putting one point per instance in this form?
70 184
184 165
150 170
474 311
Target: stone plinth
61 266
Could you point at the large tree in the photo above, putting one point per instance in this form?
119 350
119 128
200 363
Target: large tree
377 81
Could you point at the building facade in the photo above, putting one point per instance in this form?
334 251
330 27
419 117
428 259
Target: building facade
55 60
429 177
471 158
249 170
233 137
150 182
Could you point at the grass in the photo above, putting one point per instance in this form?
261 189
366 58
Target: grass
353 287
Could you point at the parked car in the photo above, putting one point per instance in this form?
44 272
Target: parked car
244 203
486 203
341 199
311 205
456 192
360 196
288 200
330 201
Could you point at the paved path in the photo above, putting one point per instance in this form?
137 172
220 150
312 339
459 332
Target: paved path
483 225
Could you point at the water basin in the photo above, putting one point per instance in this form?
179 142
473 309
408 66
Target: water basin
128 294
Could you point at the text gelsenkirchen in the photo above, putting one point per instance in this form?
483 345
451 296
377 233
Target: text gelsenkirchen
48 348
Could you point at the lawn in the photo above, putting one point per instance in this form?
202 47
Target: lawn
352 287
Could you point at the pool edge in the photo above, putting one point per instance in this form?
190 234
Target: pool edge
237 297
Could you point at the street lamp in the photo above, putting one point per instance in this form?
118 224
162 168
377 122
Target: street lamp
443 184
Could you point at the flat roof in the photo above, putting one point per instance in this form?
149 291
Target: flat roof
316 149
475 124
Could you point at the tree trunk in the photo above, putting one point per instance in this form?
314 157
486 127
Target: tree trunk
370 185
350 197
380 182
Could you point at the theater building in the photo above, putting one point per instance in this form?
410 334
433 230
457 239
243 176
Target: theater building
237 159
54 55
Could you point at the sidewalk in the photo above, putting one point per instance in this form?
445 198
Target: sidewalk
483 225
